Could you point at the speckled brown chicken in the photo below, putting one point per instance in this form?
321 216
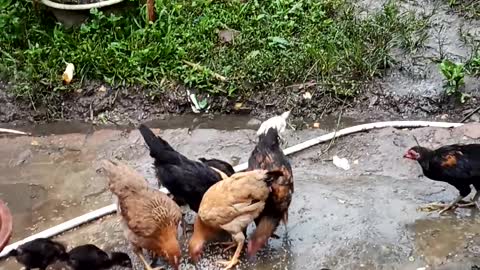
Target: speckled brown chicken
268 155
150 217
230 205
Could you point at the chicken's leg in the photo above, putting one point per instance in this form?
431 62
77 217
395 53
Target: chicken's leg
142 259
475 199
240 239
227 245
451 205
444 207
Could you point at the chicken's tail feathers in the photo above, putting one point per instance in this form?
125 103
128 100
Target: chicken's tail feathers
154 142
264 230
122 179
160 149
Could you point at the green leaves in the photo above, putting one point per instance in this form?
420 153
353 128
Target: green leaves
454 74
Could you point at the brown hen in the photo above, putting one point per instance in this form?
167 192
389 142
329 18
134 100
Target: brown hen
268 155
149 216
231 205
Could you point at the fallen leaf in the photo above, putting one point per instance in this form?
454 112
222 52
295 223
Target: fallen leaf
307 95
227 35
68 73
238 105
102 89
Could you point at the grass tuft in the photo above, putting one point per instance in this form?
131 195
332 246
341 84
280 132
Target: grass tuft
254 44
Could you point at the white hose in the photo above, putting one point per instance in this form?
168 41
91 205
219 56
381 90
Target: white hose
12 131
296 148
80 6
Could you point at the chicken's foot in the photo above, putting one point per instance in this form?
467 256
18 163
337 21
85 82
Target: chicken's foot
444 207
240 239
147 266
473 202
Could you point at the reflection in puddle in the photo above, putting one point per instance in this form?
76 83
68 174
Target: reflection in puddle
438 239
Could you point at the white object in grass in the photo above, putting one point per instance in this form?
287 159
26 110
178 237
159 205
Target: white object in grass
68 73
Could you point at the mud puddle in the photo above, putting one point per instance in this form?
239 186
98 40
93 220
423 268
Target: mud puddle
364 218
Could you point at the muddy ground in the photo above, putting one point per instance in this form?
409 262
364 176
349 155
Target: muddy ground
363 218
412 88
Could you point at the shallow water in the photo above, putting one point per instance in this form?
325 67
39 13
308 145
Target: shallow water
364 218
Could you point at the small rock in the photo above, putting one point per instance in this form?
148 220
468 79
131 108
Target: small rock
24 156
373 101
341 163
227 35
444 116
472 130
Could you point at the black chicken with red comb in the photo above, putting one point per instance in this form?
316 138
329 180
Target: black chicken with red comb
456 164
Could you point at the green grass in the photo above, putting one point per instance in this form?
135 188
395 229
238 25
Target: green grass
469 8
280 42
473 65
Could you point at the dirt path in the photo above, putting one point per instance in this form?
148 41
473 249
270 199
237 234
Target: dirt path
364 218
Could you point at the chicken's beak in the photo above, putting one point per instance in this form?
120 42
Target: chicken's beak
409 155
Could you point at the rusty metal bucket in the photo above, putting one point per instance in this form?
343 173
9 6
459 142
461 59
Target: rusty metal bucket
6 224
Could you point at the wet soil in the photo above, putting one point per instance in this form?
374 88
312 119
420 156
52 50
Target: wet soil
411 88
363 218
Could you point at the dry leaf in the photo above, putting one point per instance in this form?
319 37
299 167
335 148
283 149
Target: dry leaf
68 73
102 89
307 95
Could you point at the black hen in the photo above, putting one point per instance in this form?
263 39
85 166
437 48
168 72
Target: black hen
268 155
38 253
185 179
90 257
457 164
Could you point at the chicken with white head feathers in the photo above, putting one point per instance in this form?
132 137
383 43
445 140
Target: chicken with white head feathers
278 122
